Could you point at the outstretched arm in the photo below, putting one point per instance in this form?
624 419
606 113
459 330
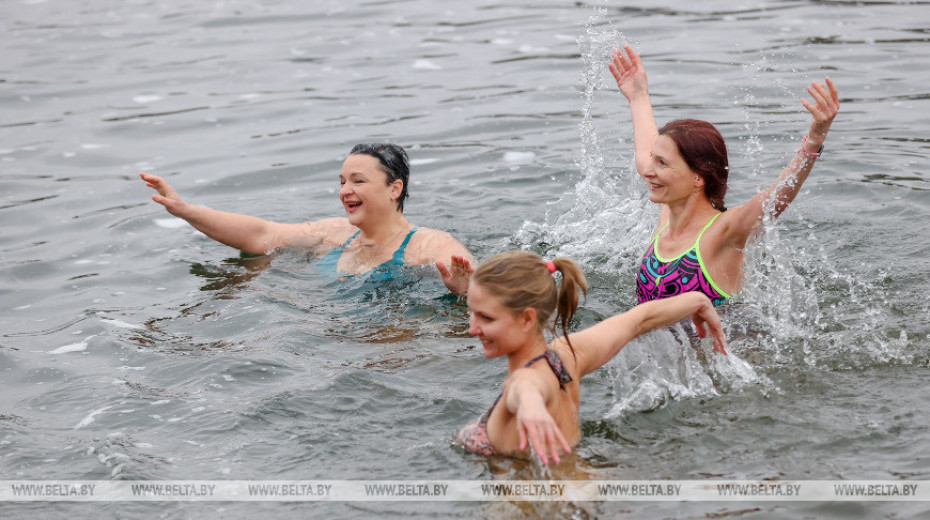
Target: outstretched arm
526 396
246 233
596 345
630 74
776 198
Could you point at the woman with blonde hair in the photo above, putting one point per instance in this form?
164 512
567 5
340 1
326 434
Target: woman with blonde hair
513 299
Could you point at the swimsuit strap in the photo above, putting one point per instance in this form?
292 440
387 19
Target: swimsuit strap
655 242
706 226
555 363
330 260
399 254
351 238
558 368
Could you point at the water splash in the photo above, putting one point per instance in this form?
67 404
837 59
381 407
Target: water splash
608 217
796 309
804 306
672 364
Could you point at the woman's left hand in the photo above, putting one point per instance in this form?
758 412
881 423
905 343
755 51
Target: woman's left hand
827 105
537 427
457 274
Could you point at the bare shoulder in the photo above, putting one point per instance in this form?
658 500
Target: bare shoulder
428 245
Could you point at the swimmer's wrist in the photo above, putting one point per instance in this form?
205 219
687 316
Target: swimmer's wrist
807 143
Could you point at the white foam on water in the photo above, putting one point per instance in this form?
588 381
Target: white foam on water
91 417
426 65
170 223
143 99
519 157
74 347
426 160
122 324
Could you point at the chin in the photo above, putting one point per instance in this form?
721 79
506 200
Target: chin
354 218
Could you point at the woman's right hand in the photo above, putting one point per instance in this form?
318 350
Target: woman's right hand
707 320
629 72
537 428
166 195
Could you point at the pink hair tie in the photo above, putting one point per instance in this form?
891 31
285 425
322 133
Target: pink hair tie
551 265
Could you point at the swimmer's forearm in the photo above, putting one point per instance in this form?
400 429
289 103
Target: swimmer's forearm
824 109
525 389
601 342
782 193
666 312
243 232
645 130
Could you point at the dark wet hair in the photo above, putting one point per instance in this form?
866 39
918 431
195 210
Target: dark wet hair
394 163
521 280
705 152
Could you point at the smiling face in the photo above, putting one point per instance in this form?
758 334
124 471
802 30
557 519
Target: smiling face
668 176
365 192
501 330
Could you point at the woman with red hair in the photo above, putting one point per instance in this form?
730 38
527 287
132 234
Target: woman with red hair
698 243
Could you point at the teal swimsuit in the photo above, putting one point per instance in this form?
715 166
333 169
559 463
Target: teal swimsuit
389 269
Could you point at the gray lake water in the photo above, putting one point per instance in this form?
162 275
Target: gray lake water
133 348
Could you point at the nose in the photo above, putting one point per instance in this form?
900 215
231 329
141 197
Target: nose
345 189
473 329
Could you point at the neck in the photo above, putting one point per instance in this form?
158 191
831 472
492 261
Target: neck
386 230
534 348
690 214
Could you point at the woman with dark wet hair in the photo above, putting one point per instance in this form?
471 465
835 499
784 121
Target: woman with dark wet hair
374 237
698 243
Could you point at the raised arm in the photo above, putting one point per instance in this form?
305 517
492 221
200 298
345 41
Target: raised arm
630 74
246 233
776 198
596 345
526 395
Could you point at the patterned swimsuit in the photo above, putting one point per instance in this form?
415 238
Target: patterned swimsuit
475 436
660 278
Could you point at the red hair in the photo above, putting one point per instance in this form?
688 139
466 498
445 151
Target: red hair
704 150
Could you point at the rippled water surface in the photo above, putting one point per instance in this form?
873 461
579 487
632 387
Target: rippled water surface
132 347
